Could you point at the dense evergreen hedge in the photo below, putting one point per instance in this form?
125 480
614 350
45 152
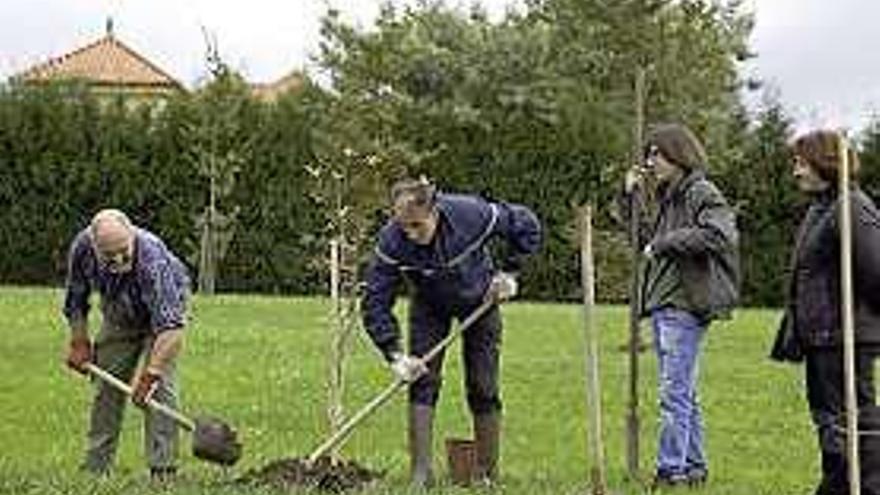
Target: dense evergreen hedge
536 110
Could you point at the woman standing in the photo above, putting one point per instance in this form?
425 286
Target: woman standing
811 329
689 277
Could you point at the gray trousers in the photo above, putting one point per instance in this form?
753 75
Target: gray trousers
118 350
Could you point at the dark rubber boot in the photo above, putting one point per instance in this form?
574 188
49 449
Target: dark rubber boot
487 433
421 419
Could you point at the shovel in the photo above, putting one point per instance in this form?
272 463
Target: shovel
212 439
357 418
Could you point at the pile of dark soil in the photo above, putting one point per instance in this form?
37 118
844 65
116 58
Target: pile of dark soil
324 474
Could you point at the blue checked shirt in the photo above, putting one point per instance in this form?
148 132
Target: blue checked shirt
150 297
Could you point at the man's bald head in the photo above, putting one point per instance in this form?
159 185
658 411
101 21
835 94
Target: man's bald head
112 236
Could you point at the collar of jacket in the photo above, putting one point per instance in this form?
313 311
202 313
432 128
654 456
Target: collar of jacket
459 234
682 185
824 196
830 194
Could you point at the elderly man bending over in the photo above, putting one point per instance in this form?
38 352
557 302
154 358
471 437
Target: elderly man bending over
143 289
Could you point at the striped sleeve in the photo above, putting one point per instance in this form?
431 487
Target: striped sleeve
77 286
165 297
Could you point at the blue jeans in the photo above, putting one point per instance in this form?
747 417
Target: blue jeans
677 337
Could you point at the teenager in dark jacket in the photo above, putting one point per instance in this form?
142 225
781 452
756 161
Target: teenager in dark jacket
438 243
811 327
689 276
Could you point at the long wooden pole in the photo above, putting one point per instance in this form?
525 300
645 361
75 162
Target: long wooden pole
632 416
334 407
595 446
852 413
345 429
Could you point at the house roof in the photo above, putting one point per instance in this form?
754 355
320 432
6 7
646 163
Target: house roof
270 91
106 61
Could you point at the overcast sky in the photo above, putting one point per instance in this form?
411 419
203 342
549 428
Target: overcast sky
821 55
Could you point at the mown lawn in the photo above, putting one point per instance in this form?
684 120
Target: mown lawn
258 363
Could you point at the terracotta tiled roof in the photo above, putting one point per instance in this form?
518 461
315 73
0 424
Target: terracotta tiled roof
271 91
106 61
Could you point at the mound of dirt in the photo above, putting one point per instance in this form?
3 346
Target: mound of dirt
324 474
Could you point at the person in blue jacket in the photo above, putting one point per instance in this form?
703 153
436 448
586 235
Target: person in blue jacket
439 244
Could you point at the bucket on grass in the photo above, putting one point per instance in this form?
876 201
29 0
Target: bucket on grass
461 454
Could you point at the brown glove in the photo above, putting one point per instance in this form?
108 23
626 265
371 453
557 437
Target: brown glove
79 354
145 387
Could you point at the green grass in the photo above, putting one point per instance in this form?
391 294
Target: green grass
258 363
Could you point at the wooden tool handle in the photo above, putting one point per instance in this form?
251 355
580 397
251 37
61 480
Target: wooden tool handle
152 404
342 433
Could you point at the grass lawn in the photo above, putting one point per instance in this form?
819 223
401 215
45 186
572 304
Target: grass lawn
258 363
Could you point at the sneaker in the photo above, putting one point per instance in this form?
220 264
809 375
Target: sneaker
697 477
163 475
668 480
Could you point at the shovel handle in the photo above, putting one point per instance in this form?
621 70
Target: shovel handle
151 403
467 323
342 433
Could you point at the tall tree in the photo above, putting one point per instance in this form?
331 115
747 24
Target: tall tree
767 209
220 140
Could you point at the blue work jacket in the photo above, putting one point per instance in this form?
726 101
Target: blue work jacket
451 273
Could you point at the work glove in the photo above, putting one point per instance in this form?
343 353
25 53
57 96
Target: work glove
503 287
79 354
407 368
634 177
145 387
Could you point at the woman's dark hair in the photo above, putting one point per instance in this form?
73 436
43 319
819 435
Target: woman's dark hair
820 149
678 144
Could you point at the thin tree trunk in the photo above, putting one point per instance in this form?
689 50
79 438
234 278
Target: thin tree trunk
595 446
208 258
632 417
335 412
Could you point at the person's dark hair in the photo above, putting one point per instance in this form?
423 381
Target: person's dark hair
820 149
419 192
678 144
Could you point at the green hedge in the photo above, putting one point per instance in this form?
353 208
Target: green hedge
66 154
536 109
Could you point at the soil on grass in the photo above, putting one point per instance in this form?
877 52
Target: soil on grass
326 475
